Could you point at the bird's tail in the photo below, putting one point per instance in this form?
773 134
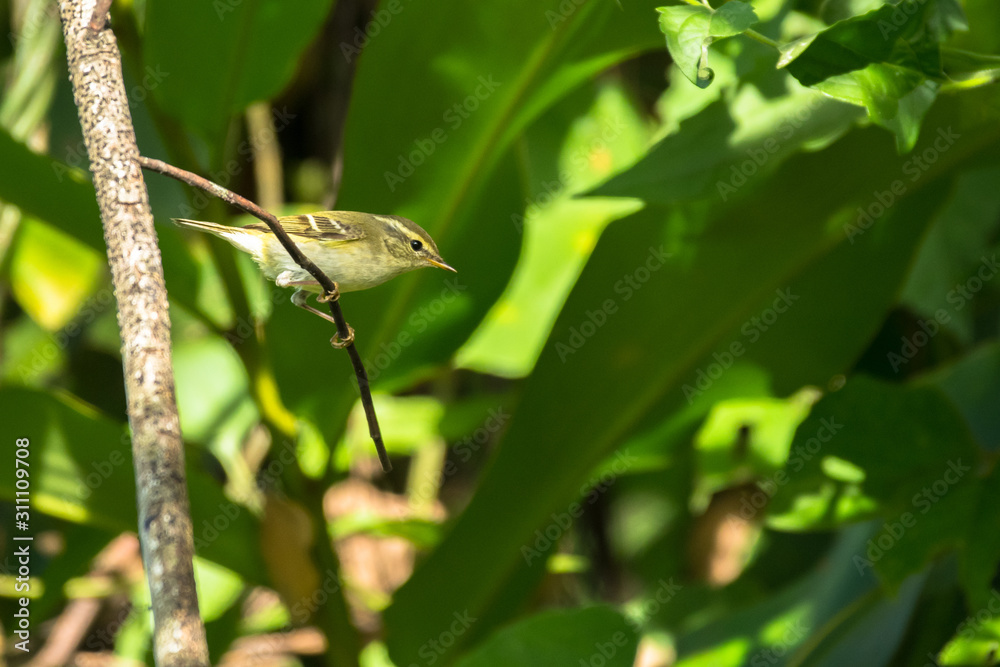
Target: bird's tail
245 239
210 227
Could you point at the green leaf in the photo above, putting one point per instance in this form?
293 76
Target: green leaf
64 197
831 606
869 632
850 423
954 253
50 191
687 29
215 58
971 384
890 34
446 162
52 273
896 98
654 342
560 230
81 471
594 635
927 495
732 18
946 17
725 152
887 60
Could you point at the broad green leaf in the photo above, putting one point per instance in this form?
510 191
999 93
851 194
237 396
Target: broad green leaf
559 229
955 258
81 472
732 18
664 324
849 424
63 197
896 98
50 191
592 635
928 496
946 17
444 159
887 60
792 619
724 153
869 632
971 384
687 29
976 639
215 58
891 34
771 425
52 273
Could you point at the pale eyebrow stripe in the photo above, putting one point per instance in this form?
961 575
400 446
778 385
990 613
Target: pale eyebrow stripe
396 225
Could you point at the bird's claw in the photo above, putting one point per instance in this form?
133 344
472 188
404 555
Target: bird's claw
331 296
341 344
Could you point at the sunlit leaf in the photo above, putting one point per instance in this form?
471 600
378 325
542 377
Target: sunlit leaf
51 273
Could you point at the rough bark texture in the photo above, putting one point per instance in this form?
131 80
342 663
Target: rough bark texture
164 517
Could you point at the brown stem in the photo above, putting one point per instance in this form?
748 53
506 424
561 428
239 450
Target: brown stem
329 287
100 16
144 322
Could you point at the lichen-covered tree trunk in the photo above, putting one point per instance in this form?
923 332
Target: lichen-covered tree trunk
164 517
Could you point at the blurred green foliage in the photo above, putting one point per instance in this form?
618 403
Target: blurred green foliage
715 383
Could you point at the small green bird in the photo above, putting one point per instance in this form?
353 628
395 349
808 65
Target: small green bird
357 250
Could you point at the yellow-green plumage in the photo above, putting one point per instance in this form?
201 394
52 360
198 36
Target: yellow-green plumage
357 250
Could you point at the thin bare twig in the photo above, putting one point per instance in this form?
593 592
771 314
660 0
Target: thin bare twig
329 287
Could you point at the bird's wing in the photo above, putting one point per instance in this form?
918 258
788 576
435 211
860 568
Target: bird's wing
325 226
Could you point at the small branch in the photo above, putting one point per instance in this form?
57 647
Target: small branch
329 288
766 41
100 16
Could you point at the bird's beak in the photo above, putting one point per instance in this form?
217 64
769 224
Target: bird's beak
441 265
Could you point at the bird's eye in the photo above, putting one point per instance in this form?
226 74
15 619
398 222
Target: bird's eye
416 245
